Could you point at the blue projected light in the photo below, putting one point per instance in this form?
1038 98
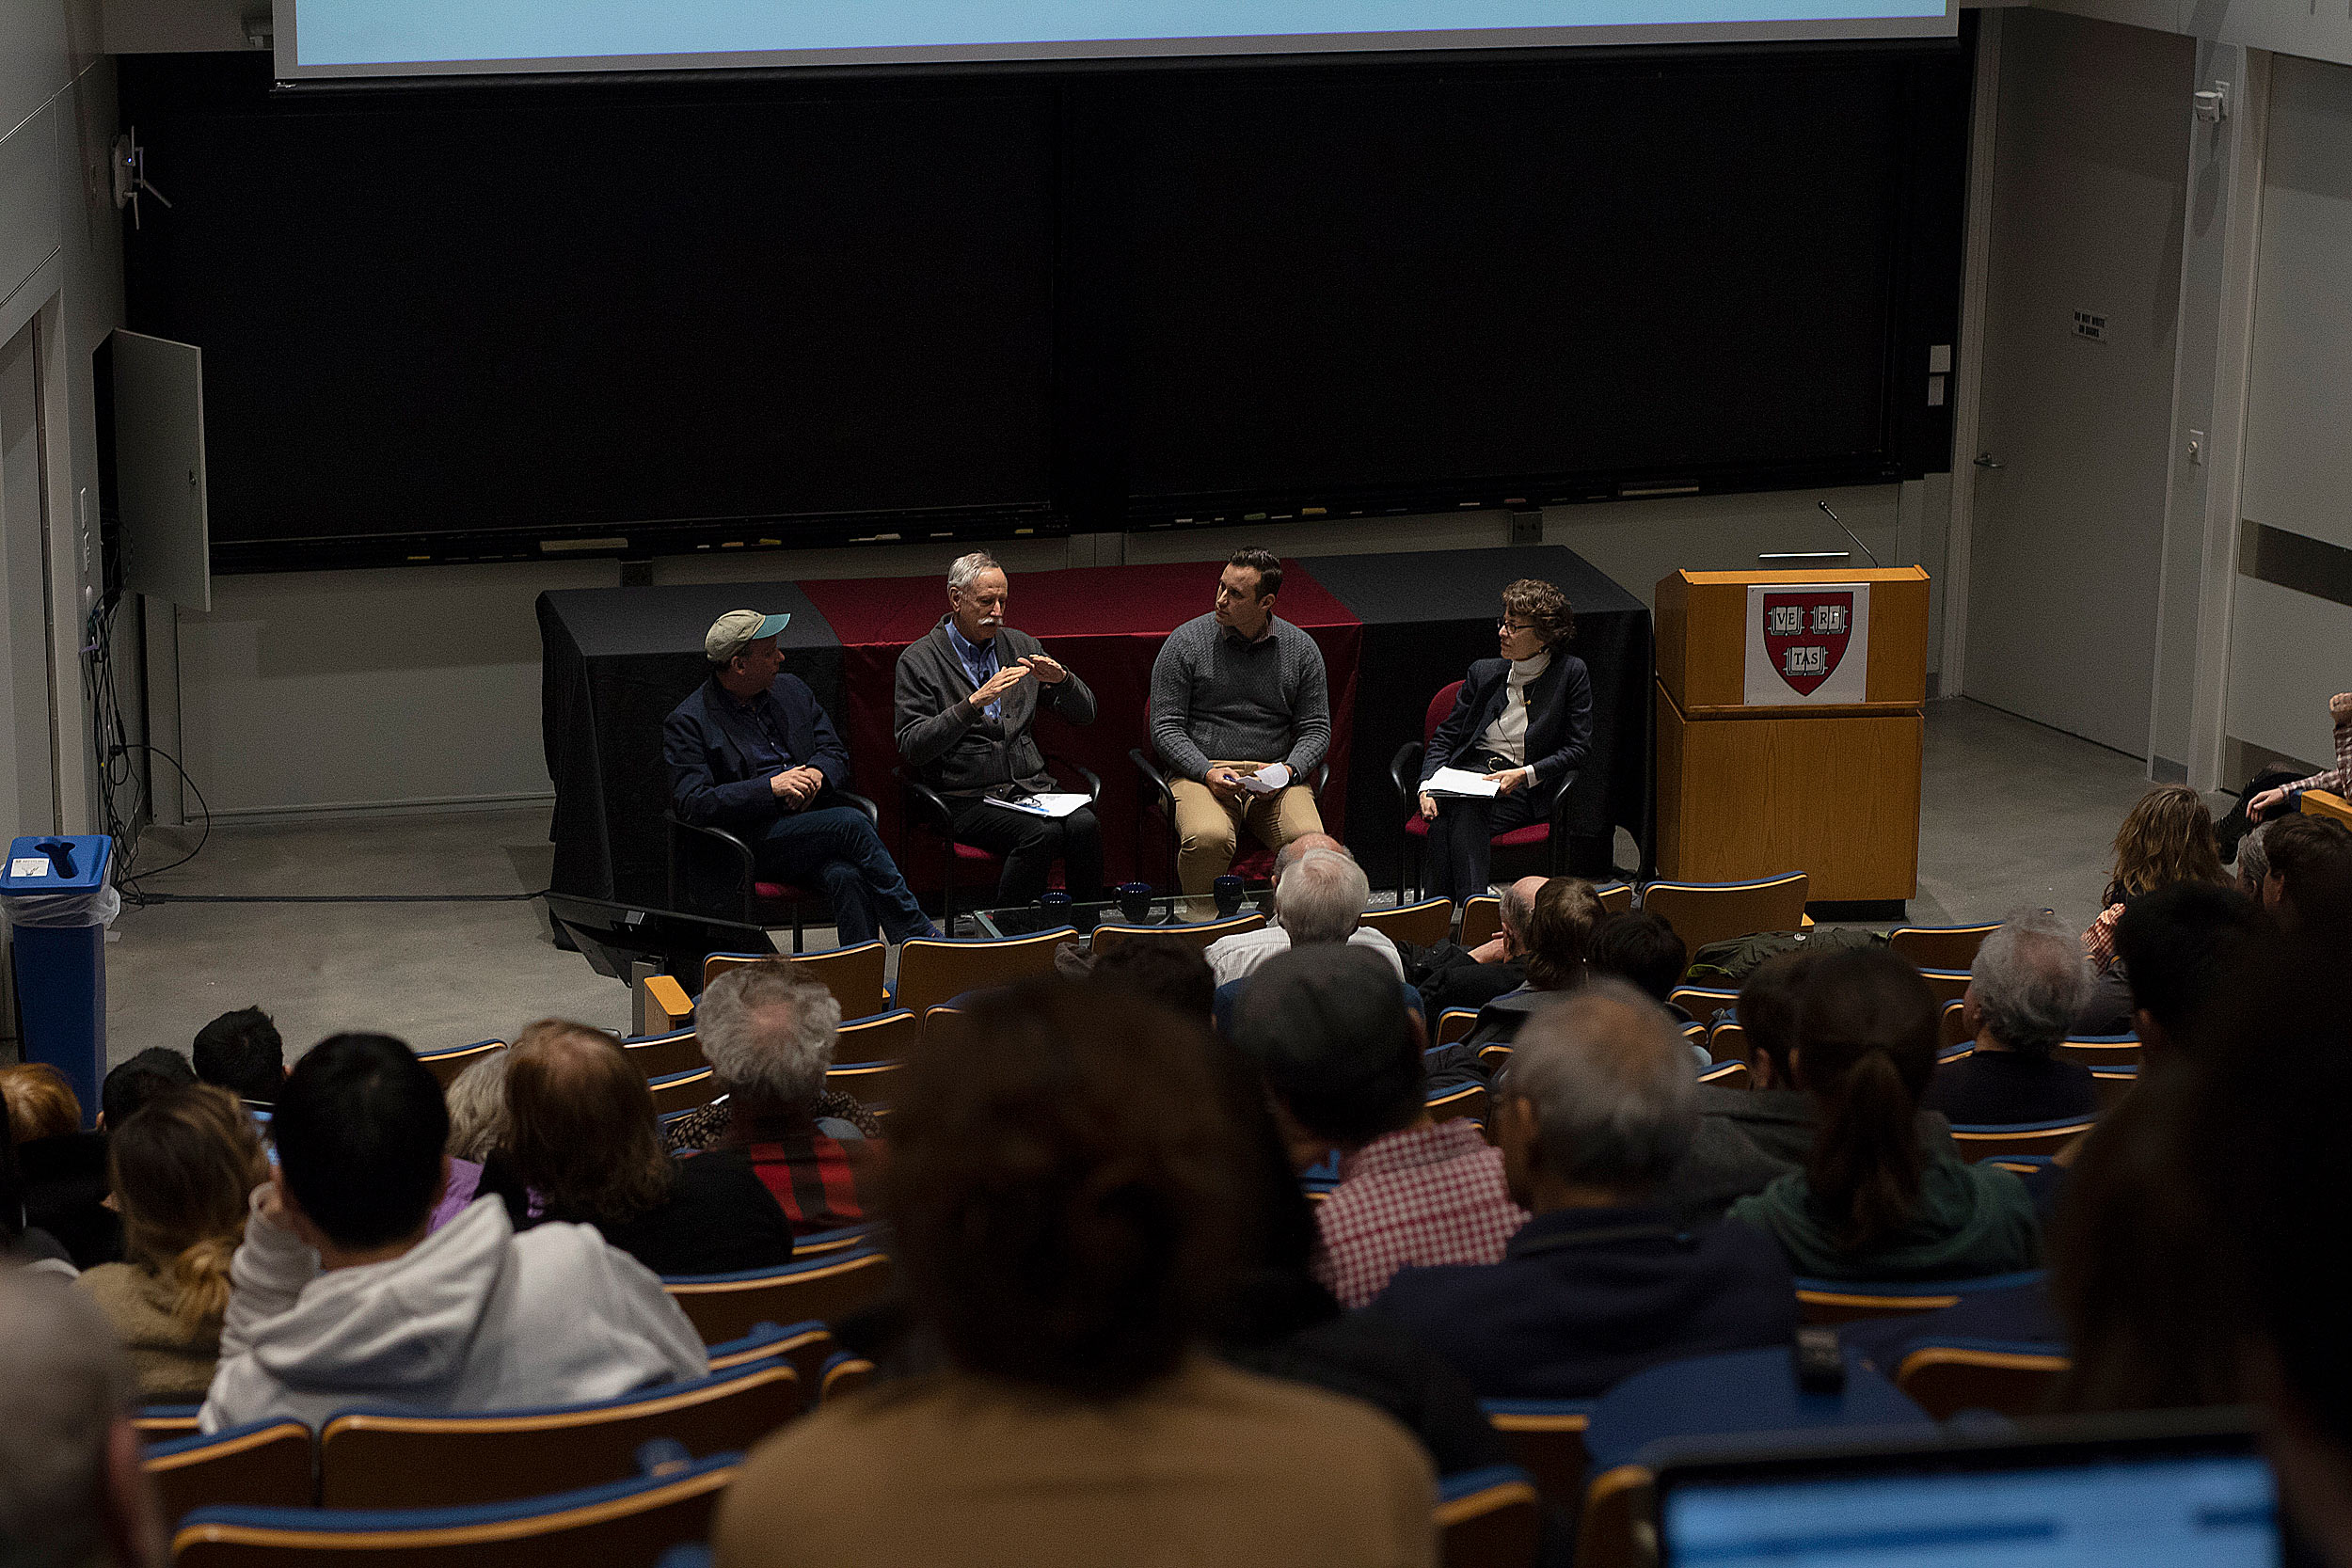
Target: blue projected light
339 38
2205 1511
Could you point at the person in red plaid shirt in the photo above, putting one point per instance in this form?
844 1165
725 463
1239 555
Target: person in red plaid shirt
1341 1058
767 1031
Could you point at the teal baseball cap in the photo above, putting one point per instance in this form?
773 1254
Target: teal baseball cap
738 630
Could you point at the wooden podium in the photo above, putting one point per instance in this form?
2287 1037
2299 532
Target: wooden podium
1790 718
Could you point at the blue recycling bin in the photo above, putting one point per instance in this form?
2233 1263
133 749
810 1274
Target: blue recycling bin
57 903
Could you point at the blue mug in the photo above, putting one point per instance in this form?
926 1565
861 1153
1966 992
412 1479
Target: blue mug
1055 905
1227 890
1135 901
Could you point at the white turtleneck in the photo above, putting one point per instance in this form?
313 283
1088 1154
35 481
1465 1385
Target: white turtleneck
1507 736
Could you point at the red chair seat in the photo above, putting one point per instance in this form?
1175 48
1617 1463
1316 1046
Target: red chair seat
778 893
974 855
1255 866
1534 832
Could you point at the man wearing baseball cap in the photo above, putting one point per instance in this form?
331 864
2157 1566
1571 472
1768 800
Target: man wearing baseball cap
750 751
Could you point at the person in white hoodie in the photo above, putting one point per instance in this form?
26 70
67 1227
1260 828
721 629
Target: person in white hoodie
340 1297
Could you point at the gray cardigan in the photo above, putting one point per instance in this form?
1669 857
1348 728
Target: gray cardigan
956 747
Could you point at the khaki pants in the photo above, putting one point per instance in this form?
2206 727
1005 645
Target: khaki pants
1208 831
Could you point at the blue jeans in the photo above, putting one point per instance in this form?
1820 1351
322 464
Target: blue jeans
835 847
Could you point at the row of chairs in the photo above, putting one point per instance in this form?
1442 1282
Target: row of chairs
1489 1518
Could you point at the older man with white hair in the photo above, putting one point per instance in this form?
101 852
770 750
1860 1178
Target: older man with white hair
2025 989
71 1491
767 1031
1231 958
969 692
1595 1110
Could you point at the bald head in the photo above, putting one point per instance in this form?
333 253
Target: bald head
1600 1099
1296 850
1518 901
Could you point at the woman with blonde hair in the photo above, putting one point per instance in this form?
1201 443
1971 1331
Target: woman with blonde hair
182 1166
2167 838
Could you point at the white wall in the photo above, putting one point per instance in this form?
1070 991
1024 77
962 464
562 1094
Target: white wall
2288 649
61 267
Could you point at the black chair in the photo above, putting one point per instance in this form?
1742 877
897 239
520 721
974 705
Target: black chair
927 809
1252 863
724 876
1404 775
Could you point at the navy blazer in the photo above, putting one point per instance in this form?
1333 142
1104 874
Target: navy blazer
1559 723
707 740
1584 1297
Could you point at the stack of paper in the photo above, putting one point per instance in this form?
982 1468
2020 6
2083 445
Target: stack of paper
1456 781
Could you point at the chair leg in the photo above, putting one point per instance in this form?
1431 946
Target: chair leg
796 927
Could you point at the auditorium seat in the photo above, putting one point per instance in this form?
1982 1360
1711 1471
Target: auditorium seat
1549 835
2100 1051
1940 946
1482 920
262 1464
1423 924
854 974
1952 1025
390 1458
446 1065
1705 913
1836 1301
2014 1378
1714 1400
684 1091
627 1522
1469 1103
1253 863
664 1055
806 1346
1726 1075
2112 1083
1704 1001
932 972
726 878
1492 1056
1949 984
1455 1024
874 1063
156 1423
1197 936
1728 1041
843 1238
923 808
2027 1138
844 1376
826 1289
1490 1518
1546 1439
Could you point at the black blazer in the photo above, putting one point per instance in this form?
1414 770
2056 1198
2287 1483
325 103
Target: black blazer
706 743
1559 723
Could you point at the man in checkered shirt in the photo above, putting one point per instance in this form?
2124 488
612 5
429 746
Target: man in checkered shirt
1342 1056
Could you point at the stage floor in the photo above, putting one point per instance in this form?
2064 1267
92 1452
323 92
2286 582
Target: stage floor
2014 813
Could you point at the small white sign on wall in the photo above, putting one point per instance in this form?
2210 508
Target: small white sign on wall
1808 643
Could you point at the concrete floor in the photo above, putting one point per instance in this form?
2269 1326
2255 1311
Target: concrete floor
2014 815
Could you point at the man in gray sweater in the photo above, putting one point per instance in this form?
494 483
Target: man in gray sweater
968 692
1241 714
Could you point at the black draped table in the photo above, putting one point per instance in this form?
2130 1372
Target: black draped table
617 659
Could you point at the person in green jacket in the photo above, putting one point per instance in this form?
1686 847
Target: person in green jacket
1871 1203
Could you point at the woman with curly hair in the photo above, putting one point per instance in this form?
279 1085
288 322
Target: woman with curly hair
182 1166
2167 838
1523 722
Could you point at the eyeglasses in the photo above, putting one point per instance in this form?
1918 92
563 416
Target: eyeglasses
1513 626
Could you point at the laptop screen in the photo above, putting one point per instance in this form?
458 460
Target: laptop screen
2215 1509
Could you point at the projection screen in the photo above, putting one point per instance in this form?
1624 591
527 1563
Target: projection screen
324 38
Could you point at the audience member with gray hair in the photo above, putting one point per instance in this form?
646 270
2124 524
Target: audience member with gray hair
2028 982
477 1108
72 1490
1322 898
1234 957
1594 1113
768 1031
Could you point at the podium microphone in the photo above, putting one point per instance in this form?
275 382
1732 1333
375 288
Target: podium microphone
1848 533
